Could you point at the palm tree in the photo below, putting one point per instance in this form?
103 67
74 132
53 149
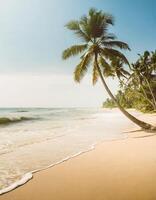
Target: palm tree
117 65
146 71
144 68
153 62
97 50
137 80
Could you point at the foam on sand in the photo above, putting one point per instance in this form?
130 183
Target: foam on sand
28 176
22 181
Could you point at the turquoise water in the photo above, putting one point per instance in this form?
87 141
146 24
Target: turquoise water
34 138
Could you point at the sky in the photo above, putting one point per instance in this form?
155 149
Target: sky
33 36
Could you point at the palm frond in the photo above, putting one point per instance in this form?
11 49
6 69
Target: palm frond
98 23
82 68
110 19
76 27
108 36
106 68
92 11
118 44
73 51
118 66
109 53
82 35
73 25
85 28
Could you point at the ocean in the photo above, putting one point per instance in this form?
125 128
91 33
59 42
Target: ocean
32 139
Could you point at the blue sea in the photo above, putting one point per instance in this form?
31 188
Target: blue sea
32 139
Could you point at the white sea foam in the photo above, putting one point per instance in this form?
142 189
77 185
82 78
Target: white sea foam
22 181
28 176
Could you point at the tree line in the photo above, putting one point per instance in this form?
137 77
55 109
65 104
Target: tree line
137 84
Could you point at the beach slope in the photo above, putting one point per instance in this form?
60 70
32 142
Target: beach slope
114 170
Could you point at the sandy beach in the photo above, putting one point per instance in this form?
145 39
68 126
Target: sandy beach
114 170
78 100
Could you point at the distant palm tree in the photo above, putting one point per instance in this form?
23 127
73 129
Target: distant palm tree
146 68
117 65
99 48
136 84
143 70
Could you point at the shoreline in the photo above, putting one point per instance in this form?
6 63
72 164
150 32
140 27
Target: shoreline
30 175
93 150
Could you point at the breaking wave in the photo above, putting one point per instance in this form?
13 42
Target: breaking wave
9 120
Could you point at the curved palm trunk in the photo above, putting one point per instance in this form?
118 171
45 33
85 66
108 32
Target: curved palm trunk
127 114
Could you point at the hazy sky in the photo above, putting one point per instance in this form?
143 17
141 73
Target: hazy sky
32 37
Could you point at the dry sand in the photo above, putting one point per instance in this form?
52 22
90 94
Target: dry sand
115 170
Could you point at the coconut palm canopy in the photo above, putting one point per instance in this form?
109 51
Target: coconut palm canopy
99 50
93 32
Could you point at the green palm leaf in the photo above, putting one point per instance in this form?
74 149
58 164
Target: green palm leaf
110 53
73 25
82 67
73 51
118 44
108 36
76 27
118 66
106 68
